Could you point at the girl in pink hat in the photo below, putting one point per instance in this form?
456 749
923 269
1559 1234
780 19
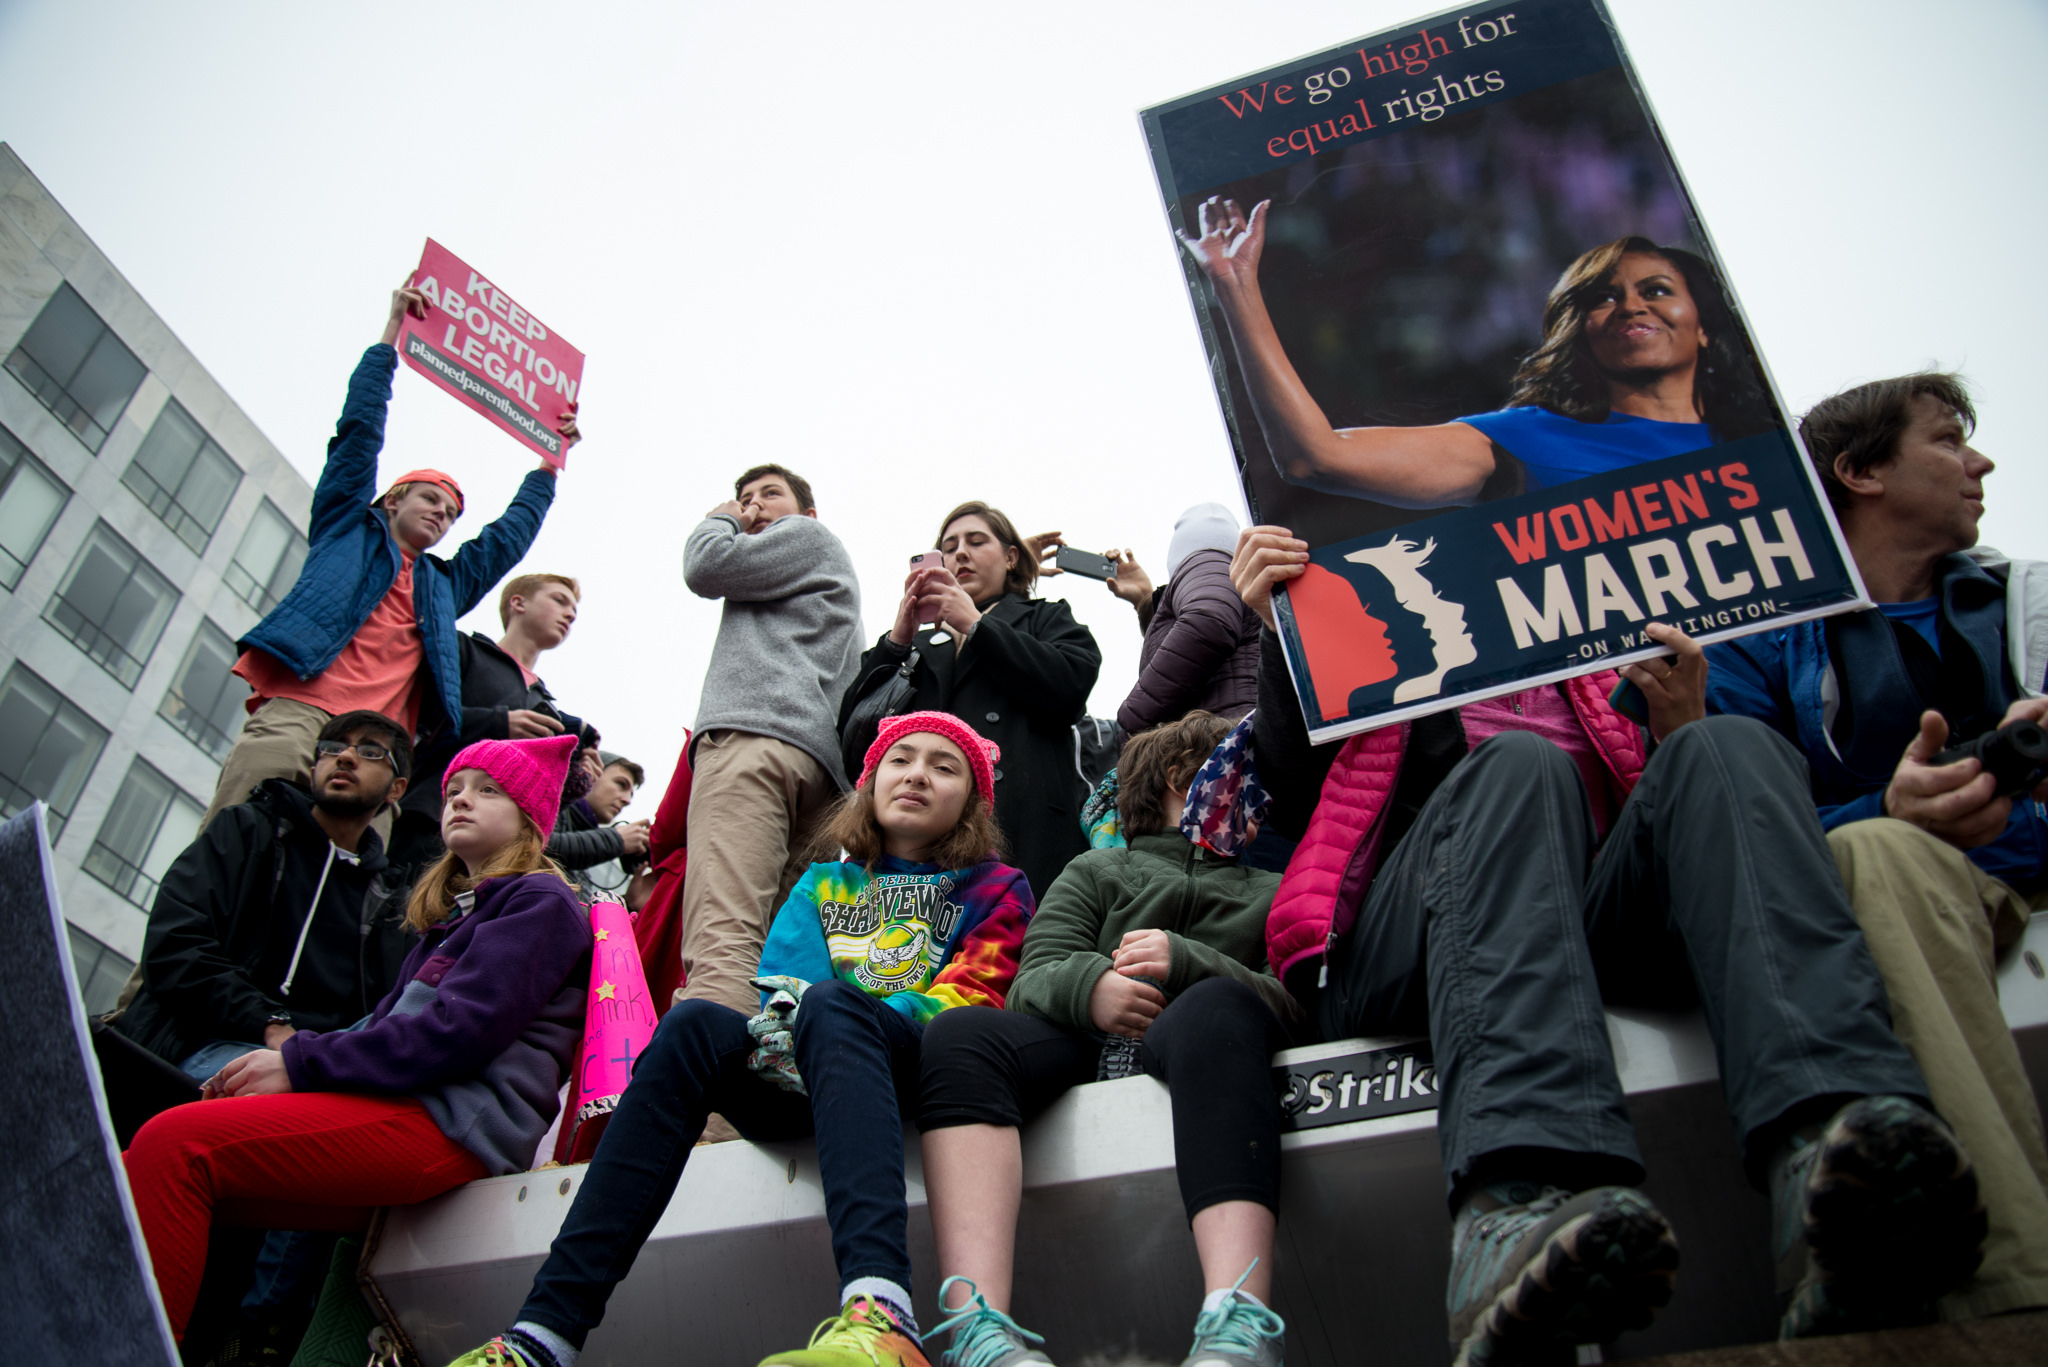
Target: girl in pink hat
453 1077
918 918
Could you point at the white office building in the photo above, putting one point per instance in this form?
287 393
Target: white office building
145 524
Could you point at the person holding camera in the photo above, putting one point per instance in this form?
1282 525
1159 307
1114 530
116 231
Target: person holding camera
1941 854
1017 669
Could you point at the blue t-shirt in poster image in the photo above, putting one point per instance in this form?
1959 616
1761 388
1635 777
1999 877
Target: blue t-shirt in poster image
1556 450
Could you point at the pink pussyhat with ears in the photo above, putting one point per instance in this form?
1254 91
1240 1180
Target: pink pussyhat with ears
981 754
531 772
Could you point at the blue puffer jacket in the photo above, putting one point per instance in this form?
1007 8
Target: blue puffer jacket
1786 680
354 559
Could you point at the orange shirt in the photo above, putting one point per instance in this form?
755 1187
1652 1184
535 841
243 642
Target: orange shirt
379 669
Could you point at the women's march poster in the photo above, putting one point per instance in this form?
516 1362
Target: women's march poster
477 343
1473 344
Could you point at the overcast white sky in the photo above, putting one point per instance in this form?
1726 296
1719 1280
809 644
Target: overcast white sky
915 251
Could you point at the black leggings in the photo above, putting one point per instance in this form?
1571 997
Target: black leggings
1212 1047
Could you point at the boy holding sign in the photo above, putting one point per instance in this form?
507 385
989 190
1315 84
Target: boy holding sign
371 621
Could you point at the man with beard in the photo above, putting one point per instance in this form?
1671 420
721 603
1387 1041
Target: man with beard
278 917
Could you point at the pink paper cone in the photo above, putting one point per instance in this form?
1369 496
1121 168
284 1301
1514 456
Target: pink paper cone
617 1025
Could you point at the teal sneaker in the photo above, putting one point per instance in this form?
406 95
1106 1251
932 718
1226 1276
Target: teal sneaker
1874 1219
1536 1271
496 1353
1238 1333
984 1336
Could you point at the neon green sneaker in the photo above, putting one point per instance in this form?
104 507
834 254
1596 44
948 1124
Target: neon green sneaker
496 1353
984 1336
862 1335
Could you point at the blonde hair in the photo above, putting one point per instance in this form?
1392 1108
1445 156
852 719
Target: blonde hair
851 826
433 897
526 585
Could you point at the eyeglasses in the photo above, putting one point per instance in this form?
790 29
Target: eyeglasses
368 750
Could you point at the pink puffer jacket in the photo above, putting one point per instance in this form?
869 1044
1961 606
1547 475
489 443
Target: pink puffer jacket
1327 878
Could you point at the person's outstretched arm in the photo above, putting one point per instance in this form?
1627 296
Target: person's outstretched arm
480 562
1408 467
348 481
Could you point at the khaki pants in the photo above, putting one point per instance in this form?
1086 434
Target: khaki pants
276 742
1934 921
755 805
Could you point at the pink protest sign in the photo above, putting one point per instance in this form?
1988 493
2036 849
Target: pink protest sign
477 343
617 1025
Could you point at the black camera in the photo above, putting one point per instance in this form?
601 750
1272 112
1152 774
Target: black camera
2016 756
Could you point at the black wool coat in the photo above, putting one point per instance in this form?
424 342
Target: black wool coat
1022 681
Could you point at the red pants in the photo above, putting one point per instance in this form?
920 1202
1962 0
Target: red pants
300 1160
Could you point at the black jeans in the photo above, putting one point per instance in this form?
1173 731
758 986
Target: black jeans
858 1058
1212 1046
1496 930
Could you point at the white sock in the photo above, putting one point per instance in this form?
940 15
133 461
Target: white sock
1216 1298
557 1346
894 1297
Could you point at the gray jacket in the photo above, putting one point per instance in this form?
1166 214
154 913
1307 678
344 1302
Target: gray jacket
789 638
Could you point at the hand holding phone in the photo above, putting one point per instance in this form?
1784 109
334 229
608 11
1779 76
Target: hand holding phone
927 560
1085 563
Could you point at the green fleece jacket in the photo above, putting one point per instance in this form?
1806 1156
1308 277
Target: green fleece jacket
1212 909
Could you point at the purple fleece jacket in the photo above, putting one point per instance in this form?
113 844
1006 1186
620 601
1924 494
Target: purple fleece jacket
482 1026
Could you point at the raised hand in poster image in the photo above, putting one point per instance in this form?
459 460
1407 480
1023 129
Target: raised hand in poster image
1641 359
409 301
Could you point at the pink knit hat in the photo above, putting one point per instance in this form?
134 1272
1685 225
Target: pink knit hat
981 754
531 772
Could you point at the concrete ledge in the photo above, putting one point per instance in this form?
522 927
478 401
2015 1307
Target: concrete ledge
740 1264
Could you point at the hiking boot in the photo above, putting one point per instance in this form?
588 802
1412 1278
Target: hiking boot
1536 1271
863 1334
1874 1219
496 1353
984 1336
1237 1333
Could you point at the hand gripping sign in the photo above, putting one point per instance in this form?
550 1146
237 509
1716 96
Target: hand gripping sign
477 343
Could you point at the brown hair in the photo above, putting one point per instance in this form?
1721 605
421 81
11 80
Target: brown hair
526 585
1861 427
1165 757
798 485
1561 375
1021 576
633 771
433 897
851 826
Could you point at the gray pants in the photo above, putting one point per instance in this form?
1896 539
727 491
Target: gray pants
1496 929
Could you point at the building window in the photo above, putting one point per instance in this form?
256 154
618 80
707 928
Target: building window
47 748
183 476
267 563
75 364
149 825
30 499
102 972
206 701
113 605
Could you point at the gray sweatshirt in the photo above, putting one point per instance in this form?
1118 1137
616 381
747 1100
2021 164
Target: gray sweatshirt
789 638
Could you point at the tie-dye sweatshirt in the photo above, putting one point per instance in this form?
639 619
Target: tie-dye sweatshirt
921 937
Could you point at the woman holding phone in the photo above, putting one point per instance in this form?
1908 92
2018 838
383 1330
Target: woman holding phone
1016 668
1641 358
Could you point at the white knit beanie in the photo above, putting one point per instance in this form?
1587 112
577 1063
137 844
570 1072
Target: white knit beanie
1204 527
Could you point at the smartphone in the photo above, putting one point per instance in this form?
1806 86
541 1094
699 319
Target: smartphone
1628 700
927 560
1085 563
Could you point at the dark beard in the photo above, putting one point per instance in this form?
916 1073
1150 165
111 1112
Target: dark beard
350 808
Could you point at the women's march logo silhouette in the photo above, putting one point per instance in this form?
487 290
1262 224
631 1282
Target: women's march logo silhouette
1349 648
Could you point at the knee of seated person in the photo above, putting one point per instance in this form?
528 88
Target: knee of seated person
961 1027
832 997
1214 995
1721 732
1522 752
